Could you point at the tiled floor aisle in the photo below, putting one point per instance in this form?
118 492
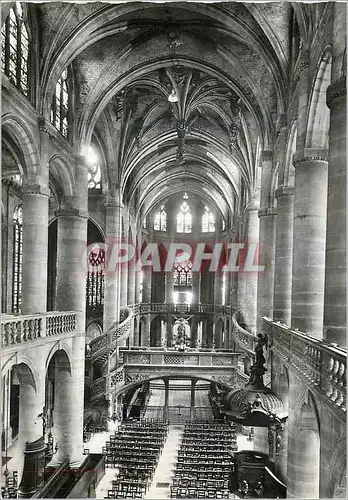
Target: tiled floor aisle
166 464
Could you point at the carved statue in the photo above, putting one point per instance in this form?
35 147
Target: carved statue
261 342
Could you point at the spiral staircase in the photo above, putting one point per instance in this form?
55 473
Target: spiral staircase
104 360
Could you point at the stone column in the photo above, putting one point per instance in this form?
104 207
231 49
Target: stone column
283 254
131 280
124 267
218 288
193 398
169 287
335 317
267 218
69 403
307 306
30 424
147 285
166 397
303 464
71 273
249 300
113 211
35 246
71 248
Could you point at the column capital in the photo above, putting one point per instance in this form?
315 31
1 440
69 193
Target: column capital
266 212
266 155
81 161
42 124
284 191
311 155
35 189
71 212
253 205
337 90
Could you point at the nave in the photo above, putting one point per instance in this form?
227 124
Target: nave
152 458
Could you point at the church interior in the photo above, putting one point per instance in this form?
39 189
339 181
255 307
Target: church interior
173 250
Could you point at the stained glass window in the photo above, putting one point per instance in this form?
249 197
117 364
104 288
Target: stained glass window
15 48
160 221
17 259
208 221
184 219
94 178
183 273
60 105
144 223
95 279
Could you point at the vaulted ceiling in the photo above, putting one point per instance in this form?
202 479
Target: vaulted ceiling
227 63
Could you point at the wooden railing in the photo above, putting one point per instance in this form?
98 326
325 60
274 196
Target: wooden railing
319 363
16 330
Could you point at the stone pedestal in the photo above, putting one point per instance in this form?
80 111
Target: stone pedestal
35 246
307 306
283 254
335 273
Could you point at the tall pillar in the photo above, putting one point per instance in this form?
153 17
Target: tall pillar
145 336
35 246
193 393
131 281
169 287
147 285
218 288
267 218
249 301
31 441
307 306
69 403
335 318
303 464
196 287
71 246
283 254
124 268
166 397
113 211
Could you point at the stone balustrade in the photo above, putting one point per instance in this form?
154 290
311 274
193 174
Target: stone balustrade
153 308
320 364
100 343
172 357
17 330
244 339
142 364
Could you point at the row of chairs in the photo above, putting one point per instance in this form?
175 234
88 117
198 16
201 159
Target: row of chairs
198 493
204 461
135 452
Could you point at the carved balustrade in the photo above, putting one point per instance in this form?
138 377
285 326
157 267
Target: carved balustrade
16 330
320 364
244 339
